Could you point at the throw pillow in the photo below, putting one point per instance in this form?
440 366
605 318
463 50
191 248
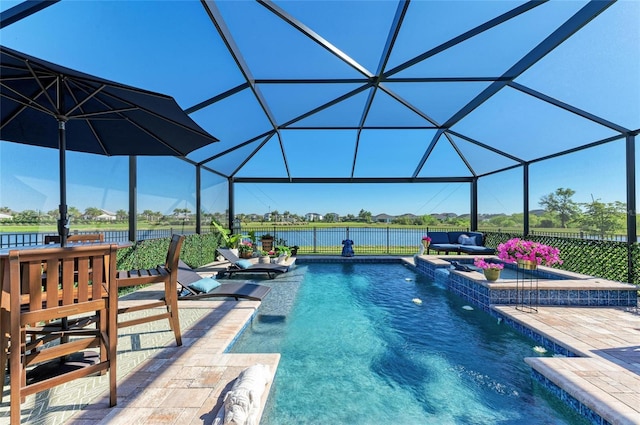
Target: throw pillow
466 240
244 264
205 284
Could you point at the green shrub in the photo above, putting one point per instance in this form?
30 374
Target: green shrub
197 250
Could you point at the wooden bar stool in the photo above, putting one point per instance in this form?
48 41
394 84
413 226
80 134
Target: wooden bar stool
34 306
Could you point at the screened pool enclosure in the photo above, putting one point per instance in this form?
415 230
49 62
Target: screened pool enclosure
484 95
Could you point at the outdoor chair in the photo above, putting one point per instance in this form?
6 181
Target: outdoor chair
241 266
167 274
196 287
36 312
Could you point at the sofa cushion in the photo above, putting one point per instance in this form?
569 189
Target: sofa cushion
438 237
454 236
474 249
445 247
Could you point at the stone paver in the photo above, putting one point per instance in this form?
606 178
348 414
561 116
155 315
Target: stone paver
607 376
158 382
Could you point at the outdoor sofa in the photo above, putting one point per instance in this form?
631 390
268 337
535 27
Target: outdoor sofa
460 242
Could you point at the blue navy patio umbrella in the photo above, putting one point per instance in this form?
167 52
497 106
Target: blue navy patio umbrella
45 104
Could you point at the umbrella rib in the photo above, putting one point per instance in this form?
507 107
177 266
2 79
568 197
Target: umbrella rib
85 100
91 115
44 91
25 101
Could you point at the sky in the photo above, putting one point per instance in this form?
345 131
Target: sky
143 43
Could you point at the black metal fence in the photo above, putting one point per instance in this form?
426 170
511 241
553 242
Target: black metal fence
12 240
367 240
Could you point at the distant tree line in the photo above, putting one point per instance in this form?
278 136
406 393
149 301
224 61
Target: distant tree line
559 211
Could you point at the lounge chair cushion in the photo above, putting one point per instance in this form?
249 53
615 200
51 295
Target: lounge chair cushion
205 284
244 264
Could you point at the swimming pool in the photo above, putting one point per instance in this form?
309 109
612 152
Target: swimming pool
356 349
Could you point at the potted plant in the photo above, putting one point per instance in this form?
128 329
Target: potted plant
230 241
267 242
245 249
283 249
265 257
426 240
491 270
528 254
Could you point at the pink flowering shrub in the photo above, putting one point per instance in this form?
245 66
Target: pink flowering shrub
426 238
517 249
479 262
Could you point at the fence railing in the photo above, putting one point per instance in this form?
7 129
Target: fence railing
580 235
11 240
367 240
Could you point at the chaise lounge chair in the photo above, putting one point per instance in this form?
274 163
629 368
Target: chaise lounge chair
195 287
247 266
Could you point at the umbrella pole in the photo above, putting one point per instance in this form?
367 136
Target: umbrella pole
63 221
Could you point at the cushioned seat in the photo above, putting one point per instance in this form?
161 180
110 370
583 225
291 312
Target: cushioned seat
195 287
246 266
474 249
446 247
460 242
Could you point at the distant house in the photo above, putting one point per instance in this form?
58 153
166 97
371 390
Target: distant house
267 217
383 218
182 216
4 216
106 216
252 217
313 217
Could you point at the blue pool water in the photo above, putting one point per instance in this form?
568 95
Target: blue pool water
357 350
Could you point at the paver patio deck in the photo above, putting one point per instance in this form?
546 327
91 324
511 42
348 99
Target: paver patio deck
158 382
606 378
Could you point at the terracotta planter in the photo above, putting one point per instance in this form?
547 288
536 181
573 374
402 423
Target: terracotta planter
267 244
246 254
491 274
